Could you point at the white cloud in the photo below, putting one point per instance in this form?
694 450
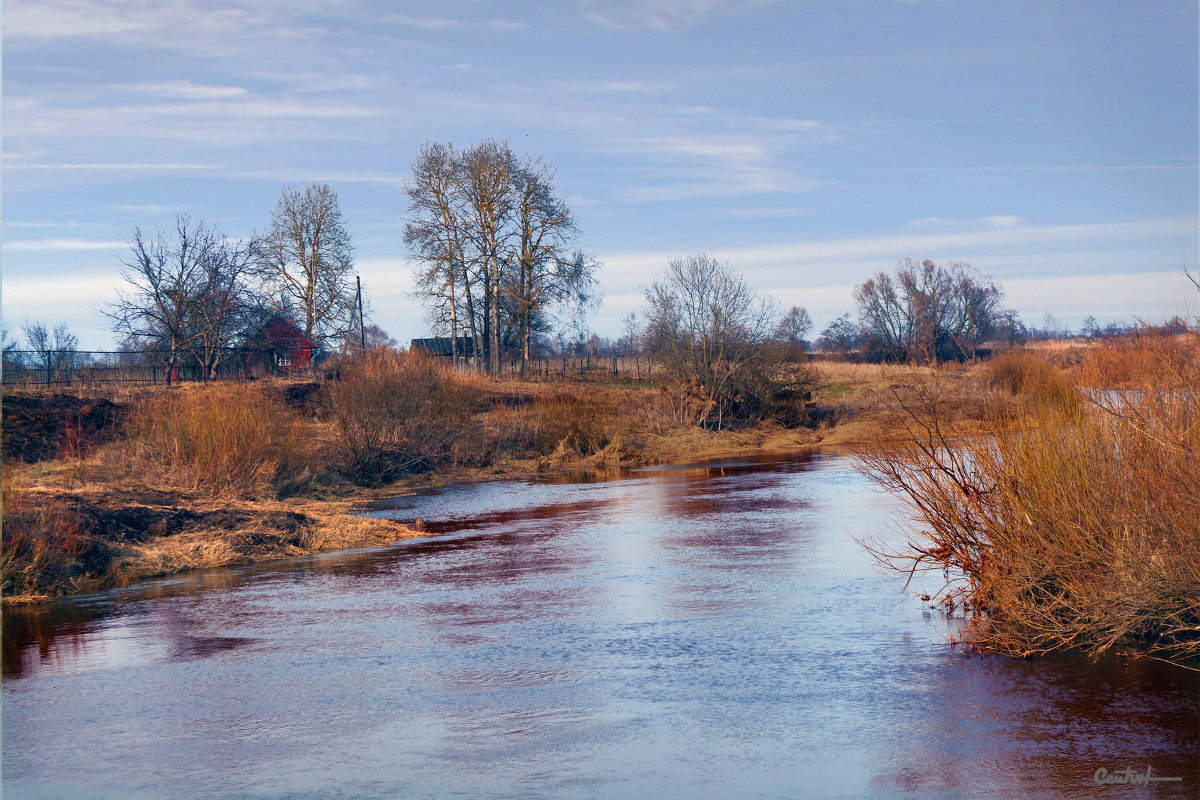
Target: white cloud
189 90
944 223
65 224
136 167
660 14
1009 254
59 244
771 212
442 23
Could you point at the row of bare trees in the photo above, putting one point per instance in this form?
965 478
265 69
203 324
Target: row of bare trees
197 290
493 237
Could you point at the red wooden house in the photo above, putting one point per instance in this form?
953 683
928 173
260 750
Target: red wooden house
288 347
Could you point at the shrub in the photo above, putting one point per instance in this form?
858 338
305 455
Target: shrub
400 412
1032 376
1070 526
225 439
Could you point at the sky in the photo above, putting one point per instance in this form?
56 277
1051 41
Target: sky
809 144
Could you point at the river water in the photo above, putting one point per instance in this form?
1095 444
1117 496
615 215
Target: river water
712 631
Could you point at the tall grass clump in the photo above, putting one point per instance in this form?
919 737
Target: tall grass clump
41 539
1069 526
401 412
225 439
1030 375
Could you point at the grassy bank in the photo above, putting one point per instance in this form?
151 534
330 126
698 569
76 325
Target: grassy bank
1073 523
104 490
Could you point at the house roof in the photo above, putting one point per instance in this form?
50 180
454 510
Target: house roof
281 331
440 345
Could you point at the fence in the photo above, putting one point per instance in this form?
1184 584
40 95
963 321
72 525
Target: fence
588 368
29 368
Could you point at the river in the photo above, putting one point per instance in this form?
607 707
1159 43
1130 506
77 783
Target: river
679 632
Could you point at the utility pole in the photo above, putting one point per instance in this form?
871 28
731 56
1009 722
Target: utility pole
362 331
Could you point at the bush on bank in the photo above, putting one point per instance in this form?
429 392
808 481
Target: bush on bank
1074 523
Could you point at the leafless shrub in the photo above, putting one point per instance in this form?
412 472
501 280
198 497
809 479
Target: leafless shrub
399 412
42 538
1071 525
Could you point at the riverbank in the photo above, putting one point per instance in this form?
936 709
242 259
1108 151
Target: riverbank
108 488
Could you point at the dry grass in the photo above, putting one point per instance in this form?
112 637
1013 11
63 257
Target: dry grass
272 530
1074 524
41 540
862 404
198 480
230 439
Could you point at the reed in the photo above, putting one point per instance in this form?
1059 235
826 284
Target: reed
225 439
1074 522
40 541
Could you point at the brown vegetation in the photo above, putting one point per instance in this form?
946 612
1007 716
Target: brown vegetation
400 412
1074 524
192 476
224 439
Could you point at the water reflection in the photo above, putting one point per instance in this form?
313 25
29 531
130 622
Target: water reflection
703 631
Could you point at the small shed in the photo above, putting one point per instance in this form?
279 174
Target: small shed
440 346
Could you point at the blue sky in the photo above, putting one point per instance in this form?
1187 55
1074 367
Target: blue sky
811 144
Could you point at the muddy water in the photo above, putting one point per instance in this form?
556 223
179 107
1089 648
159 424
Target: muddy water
705 632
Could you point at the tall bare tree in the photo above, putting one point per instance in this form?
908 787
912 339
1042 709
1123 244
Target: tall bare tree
165 277
224 300
546 271
489 189
307 260
188 293
492 236
434 235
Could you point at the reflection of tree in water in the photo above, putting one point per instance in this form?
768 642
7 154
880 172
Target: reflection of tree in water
39 633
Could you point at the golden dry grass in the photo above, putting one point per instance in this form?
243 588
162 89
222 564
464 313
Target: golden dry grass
223 439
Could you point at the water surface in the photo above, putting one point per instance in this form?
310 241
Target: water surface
680 632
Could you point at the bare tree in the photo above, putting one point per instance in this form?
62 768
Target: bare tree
546 271
188 293
375 337
839 336
488 185
164 277
55 352
792 332
307 260
928 313
579 297
492 236
794 326
705 324
434 235
224 301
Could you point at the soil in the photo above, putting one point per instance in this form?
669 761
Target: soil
40 427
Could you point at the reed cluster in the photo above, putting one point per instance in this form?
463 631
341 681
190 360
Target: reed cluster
224 440
42 538
1073 523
